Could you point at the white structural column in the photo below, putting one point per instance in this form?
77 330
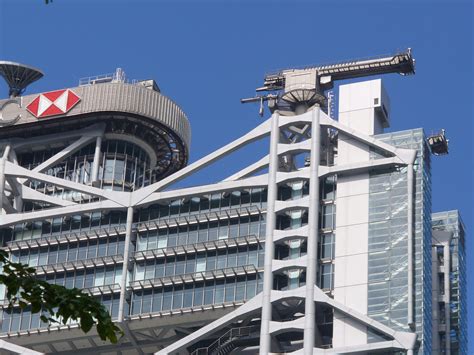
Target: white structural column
313 234
410 182
18 198
265 337
10 348
3 160
126 257
96 162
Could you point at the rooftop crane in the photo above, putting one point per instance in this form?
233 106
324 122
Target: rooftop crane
296 90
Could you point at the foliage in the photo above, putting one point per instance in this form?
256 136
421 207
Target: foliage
56 304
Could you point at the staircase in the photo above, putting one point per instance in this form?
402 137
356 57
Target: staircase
230 340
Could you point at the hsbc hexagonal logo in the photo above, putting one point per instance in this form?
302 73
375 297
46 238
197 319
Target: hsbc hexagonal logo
53 103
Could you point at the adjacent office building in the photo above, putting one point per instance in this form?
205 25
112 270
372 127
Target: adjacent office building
326 244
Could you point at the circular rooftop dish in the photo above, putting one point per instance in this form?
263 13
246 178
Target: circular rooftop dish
18 76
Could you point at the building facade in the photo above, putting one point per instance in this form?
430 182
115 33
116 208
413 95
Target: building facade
327 244
449 283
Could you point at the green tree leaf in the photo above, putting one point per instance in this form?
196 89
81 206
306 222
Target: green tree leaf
56 303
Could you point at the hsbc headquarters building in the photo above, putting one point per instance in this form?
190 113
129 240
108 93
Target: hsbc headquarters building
325 245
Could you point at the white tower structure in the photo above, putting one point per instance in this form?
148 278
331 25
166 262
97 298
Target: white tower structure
364 108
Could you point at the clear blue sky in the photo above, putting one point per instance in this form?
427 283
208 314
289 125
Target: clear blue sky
207 55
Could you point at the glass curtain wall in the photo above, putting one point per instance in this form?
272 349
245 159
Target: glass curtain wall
388 241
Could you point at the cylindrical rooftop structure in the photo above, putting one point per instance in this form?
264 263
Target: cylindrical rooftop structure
138 123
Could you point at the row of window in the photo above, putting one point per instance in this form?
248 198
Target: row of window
122 163
297 278
202 232
197 294
125 173
153 240
216 229
70 252
66 224
298 189
33 159
204 204
161 299
17 320
211 260
293 279
298 218
99 276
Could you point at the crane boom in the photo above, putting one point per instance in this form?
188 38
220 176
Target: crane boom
402 63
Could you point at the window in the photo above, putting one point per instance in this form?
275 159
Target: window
162 239
89 279
109 169
169 268
178 297
293 279
327 246
119 170
328 188
157 300
190 264
167 297
297 190
220 290
296 219
198 294
201 263
182 235
223 229
215 201
188 296
102 249
326 276
92 249
211 261
328 217
213 230
209 292
203 230
180 265
234 228
109 275
79 279
146 301
221 259
229 291
99 277
160 268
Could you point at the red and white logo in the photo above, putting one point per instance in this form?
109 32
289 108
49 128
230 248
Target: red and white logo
53 103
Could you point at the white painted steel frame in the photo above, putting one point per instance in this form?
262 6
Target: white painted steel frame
110 200
16 349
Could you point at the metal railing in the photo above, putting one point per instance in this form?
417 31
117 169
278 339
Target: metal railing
117 77
225 341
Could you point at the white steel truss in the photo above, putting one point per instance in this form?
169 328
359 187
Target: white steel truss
306 131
